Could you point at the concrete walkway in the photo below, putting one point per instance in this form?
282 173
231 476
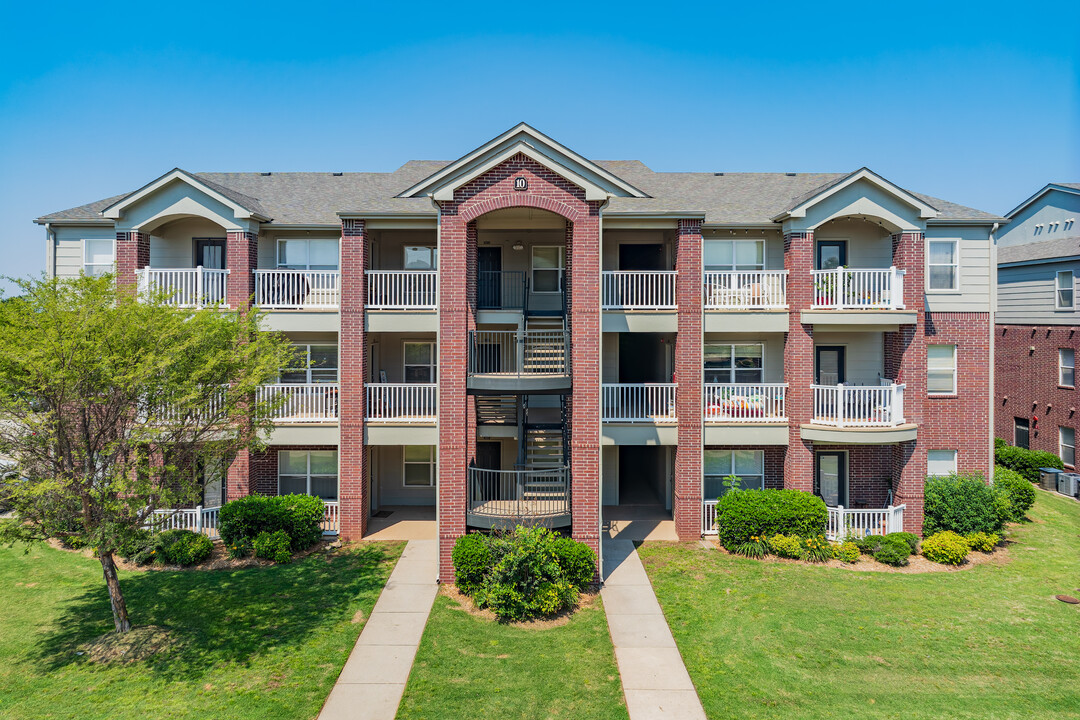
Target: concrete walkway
372 682
654 678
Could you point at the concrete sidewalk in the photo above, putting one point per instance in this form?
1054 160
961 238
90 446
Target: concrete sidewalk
654 678
373 680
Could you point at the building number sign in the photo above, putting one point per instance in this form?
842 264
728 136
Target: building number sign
521 183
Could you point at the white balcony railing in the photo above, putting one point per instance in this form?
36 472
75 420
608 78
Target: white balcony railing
746 290
402 402
858 406
638 402
185 287
297 289
745 402
639 290
331 524
402 289
847 523
205 519
303 403
855 289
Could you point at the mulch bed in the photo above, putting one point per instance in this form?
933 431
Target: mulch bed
465 603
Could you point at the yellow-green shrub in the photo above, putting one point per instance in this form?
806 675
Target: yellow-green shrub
847 552
786 546
983 542
945 547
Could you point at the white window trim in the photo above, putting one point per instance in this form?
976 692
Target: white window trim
1062 445
307 368
955 455
432 463
1062 366
955 290
434 364
731 370
434 257
955 371
112 265
533 269
308 475
1058 289
732 266
759 453
307 265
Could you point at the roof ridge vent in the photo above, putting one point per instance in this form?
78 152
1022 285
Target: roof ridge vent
266 174
338 174
790 174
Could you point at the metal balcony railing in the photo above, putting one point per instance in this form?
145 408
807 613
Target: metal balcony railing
519 352
519 494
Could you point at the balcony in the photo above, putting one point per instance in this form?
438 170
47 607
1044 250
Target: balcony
185 287
858 289
507 497
302 403
638 402
401 402
285 289
639 290
519 360
746 290
402 289
869 406
745 403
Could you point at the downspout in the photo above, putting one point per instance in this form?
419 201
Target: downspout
600 429
993 339
50 251
438 344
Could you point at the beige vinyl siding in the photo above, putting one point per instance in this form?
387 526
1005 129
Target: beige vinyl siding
868 246
609 357
69 247
864 357
974 270
387 471
1026 294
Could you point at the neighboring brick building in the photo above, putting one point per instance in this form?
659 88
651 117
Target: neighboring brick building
1037 336
525 333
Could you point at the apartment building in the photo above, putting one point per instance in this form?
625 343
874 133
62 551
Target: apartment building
1037 340
526 334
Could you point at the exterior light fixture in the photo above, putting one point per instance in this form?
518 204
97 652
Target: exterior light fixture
518 245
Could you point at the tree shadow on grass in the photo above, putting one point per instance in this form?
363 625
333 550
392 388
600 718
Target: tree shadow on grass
221 616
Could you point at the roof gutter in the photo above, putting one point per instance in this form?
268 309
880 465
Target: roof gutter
50 250
993 338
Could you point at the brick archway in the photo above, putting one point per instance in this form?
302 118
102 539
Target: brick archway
504 202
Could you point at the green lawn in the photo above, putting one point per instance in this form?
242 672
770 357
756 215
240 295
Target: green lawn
255 643
767 640
468 667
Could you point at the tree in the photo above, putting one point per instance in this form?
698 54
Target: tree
108 402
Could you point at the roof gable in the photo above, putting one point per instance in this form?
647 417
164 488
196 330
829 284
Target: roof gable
243 206
1069 188
597 182
801 204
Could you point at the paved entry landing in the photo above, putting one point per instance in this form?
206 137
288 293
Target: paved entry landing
654 678
373 680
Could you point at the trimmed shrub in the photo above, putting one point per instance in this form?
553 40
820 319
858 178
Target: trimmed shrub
892 550
298 516
786 546
999 443
1026 462
847 552
182 547
138 547
1019 492
910 538
273 546
743 514
577 560
963 504
982 542
528 580
472 560
945 547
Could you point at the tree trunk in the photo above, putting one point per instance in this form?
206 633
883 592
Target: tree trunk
116 597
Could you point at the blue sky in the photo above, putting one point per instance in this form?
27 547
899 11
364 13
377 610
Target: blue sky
976 103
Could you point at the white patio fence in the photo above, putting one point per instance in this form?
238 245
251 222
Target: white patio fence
205 519
842 522
402 402
859 405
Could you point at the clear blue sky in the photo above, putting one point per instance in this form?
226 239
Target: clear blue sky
974 102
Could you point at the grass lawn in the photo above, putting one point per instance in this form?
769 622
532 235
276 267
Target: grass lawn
767 640
469 667
255 643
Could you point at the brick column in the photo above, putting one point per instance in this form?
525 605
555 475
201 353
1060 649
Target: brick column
799 359
352 351
239 480
241 257
689 372
906 355
132 255
583 270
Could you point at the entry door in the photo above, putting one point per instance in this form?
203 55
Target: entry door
489 277
831 254
212 476
489 455
831 481
641 257
210 253
829 363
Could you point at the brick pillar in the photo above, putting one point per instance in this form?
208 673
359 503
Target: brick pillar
453 401
132 255
241 257
907 356
352 351
239 481
689 371
583 260
799 359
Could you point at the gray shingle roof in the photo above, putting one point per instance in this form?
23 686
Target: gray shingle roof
313 198
1042 250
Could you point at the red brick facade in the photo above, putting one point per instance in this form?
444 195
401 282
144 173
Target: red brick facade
352 372
132 255
1026 382
689 365
799 359
242 255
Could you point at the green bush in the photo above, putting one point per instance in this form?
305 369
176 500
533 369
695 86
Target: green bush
817 549
892 550
273 546
1026 462
982 541
786 546
743 514
138 547
298 516
756 547
1019 492
240 548
527 581
182 547
945 547
963 504
848 552
577 560
1000 443
910 538
472 561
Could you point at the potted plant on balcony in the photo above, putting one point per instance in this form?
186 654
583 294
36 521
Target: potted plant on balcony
825 289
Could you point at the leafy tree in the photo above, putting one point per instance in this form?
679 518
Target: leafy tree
108 402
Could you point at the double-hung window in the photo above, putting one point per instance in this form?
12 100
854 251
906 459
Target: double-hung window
1067 445
727 255
1063 291
98 256
1066 367
940 462
747 465
941 369
314 364
308 472
727 363
420 463
548 264
420 362
307 254
421 257
944 263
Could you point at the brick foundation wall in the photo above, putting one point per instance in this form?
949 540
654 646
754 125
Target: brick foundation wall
352 373
1026 382
689 372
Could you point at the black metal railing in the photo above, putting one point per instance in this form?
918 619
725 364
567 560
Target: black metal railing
519 494
501 290
519 352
